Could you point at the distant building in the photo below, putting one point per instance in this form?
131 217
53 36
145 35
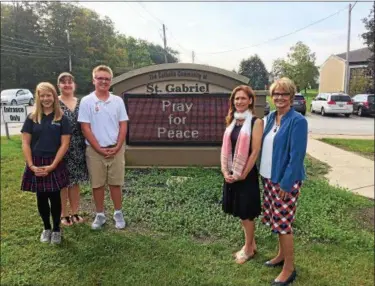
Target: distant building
332 71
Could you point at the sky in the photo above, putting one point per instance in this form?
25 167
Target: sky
222 34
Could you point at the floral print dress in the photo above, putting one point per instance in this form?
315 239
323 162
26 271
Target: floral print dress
75 157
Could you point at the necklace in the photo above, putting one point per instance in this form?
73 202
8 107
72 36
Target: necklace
276 128
239 123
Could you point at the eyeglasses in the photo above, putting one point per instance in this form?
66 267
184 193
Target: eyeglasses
276 94
103 78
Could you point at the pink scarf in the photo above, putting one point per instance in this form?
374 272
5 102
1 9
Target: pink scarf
241 151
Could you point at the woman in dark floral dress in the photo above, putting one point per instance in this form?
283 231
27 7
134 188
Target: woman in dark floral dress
75 157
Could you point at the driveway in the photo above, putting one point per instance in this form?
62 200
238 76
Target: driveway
340 125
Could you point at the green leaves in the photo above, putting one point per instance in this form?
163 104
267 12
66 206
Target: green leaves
368 38
299 66
93 41
255 70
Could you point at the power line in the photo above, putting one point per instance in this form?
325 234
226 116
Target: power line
24 53
354 5
25 42
29 56
162 23
277 38
177 41
29 50
143 6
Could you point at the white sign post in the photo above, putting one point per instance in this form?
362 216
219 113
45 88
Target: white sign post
13 114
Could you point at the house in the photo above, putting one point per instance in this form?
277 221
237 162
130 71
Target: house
332 71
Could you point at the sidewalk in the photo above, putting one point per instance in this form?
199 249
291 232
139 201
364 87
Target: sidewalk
348 170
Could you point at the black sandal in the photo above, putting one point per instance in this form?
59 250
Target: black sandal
77 218
66 221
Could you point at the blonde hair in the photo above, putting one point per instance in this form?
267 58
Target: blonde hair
102 68
36 115
249 92
285 84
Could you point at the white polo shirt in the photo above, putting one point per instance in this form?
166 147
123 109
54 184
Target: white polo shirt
104 117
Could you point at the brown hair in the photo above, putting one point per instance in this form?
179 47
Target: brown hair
36 115
250 93
285 84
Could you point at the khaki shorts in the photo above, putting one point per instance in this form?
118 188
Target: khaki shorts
104 171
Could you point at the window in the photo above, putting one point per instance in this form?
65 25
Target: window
20 92
371 98
340 98
299 97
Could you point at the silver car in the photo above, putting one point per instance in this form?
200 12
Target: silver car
19 96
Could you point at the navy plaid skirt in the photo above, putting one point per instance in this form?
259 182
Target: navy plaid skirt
279 214
53 182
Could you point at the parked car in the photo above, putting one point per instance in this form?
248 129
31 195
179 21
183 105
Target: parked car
18 96
299 103
267 108
363 104
332 103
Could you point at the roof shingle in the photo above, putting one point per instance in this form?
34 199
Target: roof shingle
357 56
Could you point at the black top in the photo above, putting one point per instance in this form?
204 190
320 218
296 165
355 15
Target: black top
46 136
234 136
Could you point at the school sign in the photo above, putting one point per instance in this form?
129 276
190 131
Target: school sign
177 113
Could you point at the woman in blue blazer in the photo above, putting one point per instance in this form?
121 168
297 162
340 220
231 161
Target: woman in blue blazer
282 170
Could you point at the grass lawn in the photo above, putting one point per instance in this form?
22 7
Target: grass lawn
178 235
363 147
309 96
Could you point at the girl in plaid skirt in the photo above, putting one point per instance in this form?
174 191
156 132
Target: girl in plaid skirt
45 140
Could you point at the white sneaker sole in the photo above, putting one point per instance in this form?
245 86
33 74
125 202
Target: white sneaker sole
98 227
120 227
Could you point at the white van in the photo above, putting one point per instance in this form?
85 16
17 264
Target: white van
332 103
18 96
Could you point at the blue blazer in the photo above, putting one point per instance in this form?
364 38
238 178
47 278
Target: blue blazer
289 148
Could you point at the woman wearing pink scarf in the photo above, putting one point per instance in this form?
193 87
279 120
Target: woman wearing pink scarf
241 146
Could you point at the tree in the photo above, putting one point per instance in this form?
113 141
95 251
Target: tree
21 36
369 37
299 66
360 82
255 70
157 54
34 45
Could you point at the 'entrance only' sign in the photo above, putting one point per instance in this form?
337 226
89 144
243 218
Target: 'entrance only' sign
14 114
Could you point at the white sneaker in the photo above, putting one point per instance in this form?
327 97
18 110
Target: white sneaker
46 235
119 219
98 222
56 237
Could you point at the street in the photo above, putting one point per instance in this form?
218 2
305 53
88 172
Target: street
340 125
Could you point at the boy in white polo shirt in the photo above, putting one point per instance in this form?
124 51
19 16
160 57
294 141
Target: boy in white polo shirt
103 121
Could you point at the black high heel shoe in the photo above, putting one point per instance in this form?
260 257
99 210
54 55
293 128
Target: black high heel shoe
270 264
290 279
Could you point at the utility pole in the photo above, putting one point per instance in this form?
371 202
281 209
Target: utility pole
192 56
347 73
165 45
70 55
